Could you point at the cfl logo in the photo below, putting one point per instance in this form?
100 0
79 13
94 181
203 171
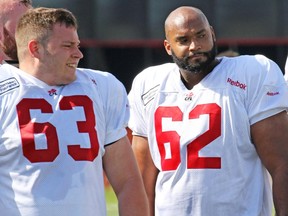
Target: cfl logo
52 92
188 97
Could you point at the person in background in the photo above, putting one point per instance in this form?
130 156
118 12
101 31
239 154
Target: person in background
10 12
207 129
228 53
61 125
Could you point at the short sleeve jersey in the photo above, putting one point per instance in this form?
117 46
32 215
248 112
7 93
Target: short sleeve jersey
52 140
200 139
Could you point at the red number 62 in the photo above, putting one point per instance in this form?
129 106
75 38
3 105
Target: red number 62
193 148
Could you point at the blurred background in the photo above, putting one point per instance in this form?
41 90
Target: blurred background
125 36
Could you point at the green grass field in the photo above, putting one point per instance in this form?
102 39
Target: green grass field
111 202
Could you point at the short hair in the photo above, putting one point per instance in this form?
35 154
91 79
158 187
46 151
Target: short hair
37 24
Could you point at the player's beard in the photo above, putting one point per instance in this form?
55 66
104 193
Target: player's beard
9 45
196 67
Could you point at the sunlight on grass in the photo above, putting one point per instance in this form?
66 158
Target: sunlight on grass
111 202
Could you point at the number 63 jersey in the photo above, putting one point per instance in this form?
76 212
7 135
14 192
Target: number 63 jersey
52 141
200 139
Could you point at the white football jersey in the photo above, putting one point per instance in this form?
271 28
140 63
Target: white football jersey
52 140
200 140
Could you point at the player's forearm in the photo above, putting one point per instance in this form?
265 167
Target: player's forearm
149 179
133 200
151 206
280 191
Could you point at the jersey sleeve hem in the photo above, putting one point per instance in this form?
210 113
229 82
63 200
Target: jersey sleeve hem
267 114
114 136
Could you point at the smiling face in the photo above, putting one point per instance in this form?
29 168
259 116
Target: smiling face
48 45
60 55
190 40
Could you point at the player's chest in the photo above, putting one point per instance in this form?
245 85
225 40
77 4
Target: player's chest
58 105
186 101
194 109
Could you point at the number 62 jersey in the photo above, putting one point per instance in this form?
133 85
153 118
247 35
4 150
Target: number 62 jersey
52 141
200 139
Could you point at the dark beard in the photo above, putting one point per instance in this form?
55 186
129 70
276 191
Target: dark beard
9 45
199 66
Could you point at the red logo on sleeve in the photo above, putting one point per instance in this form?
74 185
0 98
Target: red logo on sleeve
237 84
272 93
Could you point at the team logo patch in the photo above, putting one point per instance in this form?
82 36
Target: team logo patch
188 96
8 85
52 92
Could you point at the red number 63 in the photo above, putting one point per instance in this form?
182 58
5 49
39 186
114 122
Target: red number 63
29 128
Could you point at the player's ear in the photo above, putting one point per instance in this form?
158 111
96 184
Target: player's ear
213 33
167 47
34 48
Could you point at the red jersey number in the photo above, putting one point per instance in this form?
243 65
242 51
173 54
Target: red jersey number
28 129
193 148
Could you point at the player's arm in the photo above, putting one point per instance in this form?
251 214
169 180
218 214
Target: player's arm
123 174
147 168
270 137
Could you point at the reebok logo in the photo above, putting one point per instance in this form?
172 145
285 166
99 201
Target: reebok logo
272 93
237 84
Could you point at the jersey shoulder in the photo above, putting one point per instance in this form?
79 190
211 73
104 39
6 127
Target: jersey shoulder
157 70
7 71
102 79
9 79
154 75
105 84
253 63
254 68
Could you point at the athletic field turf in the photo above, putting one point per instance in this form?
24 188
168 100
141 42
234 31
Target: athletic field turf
111 201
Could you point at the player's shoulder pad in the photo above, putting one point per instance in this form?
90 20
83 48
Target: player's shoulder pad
7 70
152 73
100 78
254 60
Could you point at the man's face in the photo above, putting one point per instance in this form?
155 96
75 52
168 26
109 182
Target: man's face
191 43
198 65
8 44
61 55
